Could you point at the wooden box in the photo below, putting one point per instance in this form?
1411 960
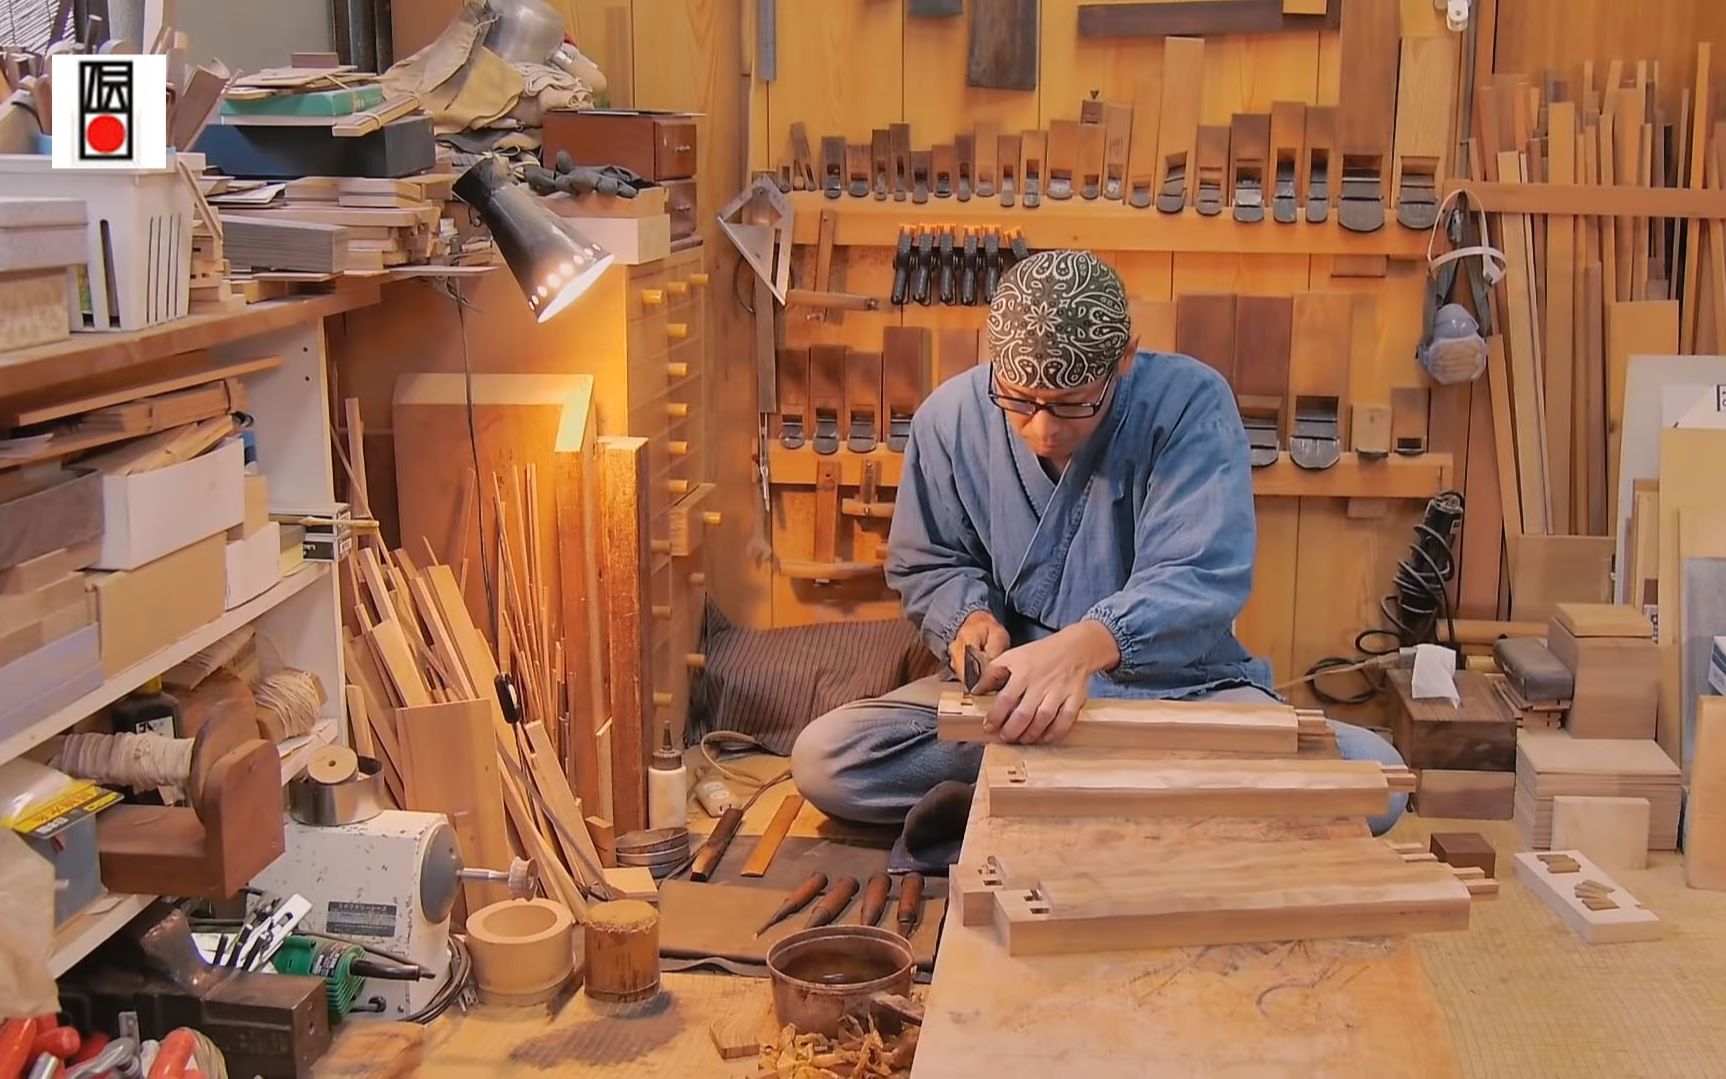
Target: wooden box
1617 683
655 145
146 609
1477 735
1464 795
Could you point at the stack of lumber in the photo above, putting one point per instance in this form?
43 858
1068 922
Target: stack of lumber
1552 763
210 288
387 223
46 428
424 699
1607 202
255 242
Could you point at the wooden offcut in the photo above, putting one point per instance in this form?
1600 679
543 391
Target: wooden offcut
1477 734
1612 831
1003 44
1705 812
1465 795
625 547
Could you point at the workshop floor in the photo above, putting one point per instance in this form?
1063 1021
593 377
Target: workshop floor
1523 995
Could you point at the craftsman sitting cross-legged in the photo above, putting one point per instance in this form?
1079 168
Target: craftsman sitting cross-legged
1081 513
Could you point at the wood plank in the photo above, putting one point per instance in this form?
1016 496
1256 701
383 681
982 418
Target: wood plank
1146 724
1701 124
1483 524
1107 785
396 658
1705 811
1195 17
1549 570
1366 115
761 857
1523 357
1560 317
1592 402
562 808
22 413
623 464
452 769
1108 913
1645 328
1003 45
1611 831
1504 444
1627 921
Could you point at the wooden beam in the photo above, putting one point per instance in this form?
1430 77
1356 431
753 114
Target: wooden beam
1583 200
1142 724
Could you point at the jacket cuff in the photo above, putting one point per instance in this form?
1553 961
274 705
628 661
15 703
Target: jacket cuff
1105 615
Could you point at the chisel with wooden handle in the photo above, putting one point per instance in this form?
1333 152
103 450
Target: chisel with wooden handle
796 901
910 910
874 899
707 856
833 903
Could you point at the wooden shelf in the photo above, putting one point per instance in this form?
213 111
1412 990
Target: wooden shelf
87 355
90 927
1351 477
1101 226
15 742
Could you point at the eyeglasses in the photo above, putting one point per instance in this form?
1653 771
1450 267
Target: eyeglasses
1061 410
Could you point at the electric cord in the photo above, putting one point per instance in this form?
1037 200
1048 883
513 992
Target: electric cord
460 979
1411 613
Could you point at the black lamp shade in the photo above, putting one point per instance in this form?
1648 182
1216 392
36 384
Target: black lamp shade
552 262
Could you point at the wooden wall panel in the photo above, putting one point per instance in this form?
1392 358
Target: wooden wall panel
1266 625
841 71
938 104
1537 35
1071 68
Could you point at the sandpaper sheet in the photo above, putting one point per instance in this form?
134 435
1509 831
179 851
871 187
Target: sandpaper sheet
720 920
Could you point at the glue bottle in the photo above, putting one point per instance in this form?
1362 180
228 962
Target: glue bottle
667 786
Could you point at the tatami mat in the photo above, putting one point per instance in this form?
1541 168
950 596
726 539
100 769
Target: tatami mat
1526 997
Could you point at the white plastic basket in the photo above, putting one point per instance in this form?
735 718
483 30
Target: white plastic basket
140 236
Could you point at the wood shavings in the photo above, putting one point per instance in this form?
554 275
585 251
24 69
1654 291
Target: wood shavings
857 1053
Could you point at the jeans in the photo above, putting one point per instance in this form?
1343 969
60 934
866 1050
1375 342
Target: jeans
872 760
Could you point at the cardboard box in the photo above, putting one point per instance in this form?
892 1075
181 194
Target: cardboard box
143 610
633 240
254 564
257 490
1617 683
154 513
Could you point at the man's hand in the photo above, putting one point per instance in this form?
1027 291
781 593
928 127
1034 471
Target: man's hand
1041 686
982 632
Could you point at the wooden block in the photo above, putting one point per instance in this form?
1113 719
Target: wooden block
1425 94
1628 921
1118 138
32 576
1198 17
1611 831
1705 811
1063 159
1205 330
1247 182
863 426
1465 795
1617 691
1460 850
1145 724
1319 351
1479 734
1288 148
1551 570
1319 163
1602 620
1261 347
1066 783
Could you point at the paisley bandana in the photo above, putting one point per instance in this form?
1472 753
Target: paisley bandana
1058 321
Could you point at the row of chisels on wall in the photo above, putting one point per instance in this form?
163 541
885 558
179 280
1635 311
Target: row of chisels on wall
957 267
1287 359
1385 144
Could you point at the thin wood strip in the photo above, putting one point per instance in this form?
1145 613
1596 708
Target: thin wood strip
761 857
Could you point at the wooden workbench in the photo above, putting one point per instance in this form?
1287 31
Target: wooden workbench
1332 1007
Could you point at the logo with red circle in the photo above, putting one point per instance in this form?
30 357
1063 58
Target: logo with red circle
105 95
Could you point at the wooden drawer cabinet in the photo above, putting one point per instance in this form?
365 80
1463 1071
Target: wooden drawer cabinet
680 204
656 145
